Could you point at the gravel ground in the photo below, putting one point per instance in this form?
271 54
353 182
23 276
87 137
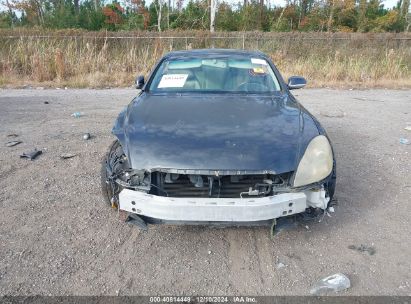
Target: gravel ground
57 236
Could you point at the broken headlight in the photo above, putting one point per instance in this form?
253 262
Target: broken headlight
316 164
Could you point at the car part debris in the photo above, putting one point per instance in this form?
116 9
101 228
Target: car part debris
77 114
336 282
13 143
67 155
363 248
404 141
138 221
86 136
31 155
283 224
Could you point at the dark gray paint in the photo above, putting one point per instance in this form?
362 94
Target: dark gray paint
189 131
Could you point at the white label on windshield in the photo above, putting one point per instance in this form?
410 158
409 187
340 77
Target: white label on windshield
172 81
258 61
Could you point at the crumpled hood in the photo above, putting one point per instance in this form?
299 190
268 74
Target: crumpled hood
215 132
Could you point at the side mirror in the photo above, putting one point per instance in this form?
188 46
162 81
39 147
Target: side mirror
296 82
140 82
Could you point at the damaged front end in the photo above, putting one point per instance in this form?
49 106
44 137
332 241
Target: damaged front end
223 197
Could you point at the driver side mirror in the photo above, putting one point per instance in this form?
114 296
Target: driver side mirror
296 82
140 82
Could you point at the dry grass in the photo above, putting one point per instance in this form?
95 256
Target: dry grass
90 59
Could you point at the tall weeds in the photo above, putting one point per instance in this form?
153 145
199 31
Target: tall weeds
98 59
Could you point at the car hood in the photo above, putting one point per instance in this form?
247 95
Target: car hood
215 132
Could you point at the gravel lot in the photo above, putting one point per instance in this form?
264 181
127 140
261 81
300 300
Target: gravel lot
57 237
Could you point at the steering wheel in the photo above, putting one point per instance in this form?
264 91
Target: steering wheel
256 86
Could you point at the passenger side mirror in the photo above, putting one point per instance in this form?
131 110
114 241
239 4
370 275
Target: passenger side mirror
140 82
296 82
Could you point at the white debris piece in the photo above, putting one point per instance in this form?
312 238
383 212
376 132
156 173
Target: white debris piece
336 282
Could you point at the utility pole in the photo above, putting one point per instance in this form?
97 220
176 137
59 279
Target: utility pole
168 14
159 12
213 9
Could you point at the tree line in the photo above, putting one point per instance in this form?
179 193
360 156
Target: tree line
247 15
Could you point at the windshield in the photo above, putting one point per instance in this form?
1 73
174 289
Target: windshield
228 74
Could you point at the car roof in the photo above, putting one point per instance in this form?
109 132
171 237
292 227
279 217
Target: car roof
212 52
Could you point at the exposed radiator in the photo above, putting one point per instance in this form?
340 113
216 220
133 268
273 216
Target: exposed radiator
224 186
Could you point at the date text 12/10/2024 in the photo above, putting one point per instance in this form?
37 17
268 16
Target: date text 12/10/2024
202 299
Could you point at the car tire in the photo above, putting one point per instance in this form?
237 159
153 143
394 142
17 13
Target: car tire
110 189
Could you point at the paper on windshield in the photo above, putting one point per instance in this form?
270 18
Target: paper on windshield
258 61
173 81
259 71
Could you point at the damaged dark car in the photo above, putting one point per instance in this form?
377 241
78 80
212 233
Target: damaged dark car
216 137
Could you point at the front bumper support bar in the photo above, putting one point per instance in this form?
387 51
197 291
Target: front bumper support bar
212 209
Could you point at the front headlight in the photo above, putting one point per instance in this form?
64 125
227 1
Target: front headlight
316 164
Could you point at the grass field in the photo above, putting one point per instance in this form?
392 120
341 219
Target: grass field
75 58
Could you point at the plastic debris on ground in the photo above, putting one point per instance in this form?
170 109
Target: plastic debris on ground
31 155
363 248
280 265
404 141
86 136
12 135
331 209
77 114
67 155
283 224
408 128
335 283
13 143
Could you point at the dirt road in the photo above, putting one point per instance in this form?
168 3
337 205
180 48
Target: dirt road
57 237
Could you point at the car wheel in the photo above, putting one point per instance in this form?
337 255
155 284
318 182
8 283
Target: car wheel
112 165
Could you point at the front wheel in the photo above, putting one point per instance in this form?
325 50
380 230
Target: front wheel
112 167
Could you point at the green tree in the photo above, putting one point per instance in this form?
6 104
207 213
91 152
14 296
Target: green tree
227 19
89 18
193 16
